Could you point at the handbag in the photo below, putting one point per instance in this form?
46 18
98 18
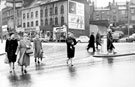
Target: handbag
29 51
6 60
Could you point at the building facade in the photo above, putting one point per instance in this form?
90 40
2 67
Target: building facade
117 13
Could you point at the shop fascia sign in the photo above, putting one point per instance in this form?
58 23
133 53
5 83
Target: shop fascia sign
60 29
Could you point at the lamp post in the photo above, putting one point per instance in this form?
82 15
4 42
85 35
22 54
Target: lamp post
128 15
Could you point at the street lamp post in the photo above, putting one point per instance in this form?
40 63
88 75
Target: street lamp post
128 17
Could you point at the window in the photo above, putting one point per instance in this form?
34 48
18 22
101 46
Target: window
46 12
28 25
56 10
62 20
51 11
51 21
23 25
41 22
23 15
62 9
56 21
36 14
32 24
36 23
27 15
41 13
31 14
46 21
132 11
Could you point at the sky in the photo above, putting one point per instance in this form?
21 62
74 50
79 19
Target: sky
104 3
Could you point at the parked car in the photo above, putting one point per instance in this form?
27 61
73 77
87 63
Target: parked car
82 39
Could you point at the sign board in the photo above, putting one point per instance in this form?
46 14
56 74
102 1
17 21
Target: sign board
76 15
18 3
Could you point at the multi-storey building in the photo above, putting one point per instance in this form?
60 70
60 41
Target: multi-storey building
116 12
57 13
31 18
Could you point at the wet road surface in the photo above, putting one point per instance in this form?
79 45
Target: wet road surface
86 72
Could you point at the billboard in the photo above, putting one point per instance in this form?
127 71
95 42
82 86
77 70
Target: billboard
76 15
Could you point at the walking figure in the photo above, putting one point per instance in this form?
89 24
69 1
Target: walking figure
110 46
10 49
71 42
24 58
91 42
98 40
38 51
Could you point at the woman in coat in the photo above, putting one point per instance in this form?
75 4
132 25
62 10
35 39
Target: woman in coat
24 58
91 42
98 40
10 48
110 46
37 45
71 42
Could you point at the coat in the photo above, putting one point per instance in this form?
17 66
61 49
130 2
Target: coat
110 45
71 42
37 48
24 59
91 41
98 39
10 48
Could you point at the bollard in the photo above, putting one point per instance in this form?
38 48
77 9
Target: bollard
104 45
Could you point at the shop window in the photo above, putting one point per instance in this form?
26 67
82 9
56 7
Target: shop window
62 9
62 20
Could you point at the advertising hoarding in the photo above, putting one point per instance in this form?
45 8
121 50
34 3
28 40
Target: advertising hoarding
76 15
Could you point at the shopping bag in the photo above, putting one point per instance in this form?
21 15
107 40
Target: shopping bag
6 61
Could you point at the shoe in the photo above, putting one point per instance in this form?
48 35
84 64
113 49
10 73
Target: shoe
10 71
38 62
25 71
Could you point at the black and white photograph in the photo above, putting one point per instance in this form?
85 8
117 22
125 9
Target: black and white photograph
67 43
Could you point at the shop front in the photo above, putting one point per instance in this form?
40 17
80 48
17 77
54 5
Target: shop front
46 32
59 34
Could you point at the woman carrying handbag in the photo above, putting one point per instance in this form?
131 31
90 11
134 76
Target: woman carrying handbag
24 57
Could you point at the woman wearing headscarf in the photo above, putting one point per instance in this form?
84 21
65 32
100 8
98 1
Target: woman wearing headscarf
10 48
71 42
37 45
24 58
